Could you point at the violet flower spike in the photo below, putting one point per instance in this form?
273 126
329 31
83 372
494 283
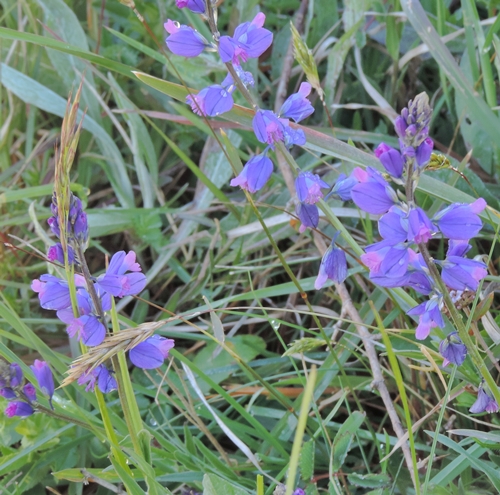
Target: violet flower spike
151 353
485 402
453 350
255 173
184 40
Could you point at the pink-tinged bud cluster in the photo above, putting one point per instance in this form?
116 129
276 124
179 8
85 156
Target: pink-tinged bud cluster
22 396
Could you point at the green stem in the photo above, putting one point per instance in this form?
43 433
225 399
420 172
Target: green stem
110 431
438 427
69 419
126 392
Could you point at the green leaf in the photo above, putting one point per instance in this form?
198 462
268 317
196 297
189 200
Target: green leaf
215 485
369 480
306 461
343 439
62 20
11 34
482 466
34 93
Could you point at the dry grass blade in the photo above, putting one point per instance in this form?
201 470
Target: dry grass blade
112 344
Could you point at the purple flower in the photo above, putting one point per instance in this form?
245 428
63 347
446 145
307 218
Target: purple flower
458 248
196 6
250 40
151 353
420 228
30 392
485 402
400 127
384 259
52 292
372 194
462 273
393 226
297 106
87 327
184 40
100 375
56 253
413 125
117 282
212 101
343 187
255 173
429 316
268 127
420 281
43 374
308 187
460 221
292 136
16 375
453 349
333 266
18 408
8 393
245 77
423 152
308 215
299 491
391 159
77 227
